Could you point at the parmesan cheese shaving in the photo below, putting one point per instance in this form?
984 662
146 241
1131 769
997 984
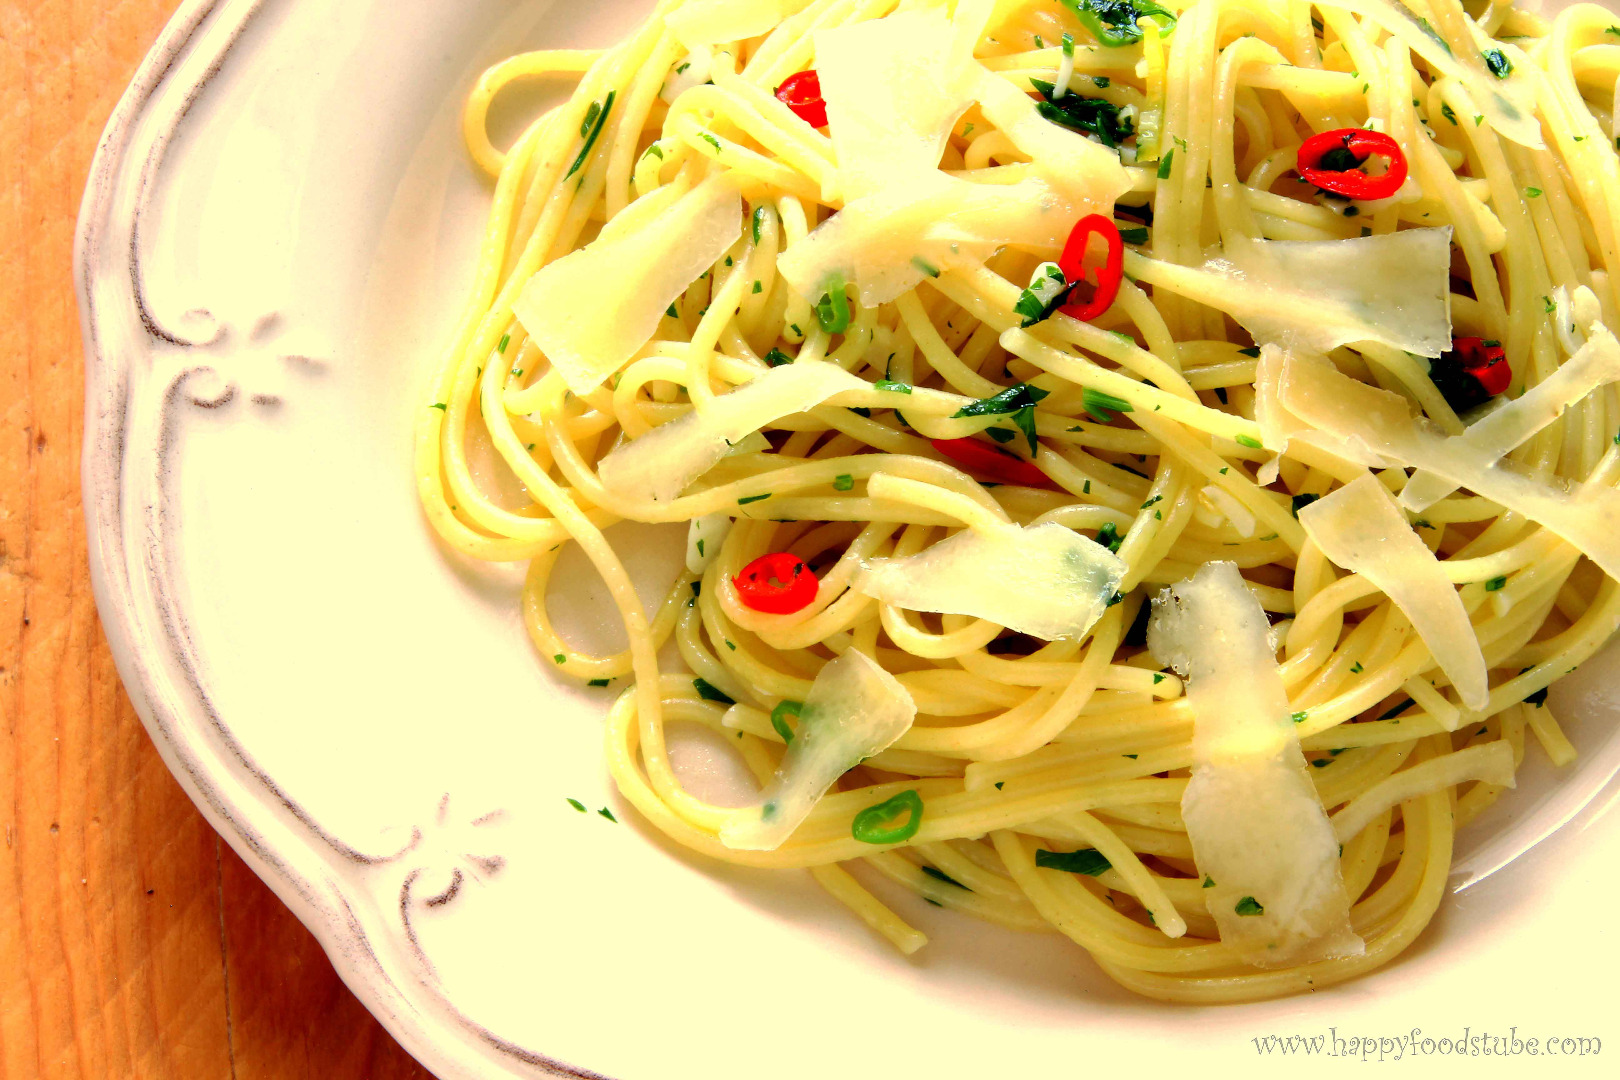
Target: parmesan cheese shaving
893 95
1046 580
854 710
1317 295
1259 833
635 270
1595 364
1360 528
665 461
714 22
1279 427
1587 516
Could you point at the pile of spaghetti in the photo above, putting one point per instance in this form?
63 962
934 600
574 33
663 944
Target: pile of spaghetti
1143 463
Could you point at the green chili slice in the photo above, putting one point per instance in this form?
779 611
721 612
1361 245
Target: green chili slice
872 825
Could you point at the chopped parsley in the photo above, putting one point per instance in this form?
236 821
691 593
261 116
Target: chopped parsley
1087 861
759 287
560 658
925 266
1532 192
892 387
1102 406
1356 668
832 310
441 406
1497 61
671 312
1165 163
745 500
940 875
844 482
1496 584
1092 115
707 692
1046 292
776 358
1209 882
1397 710
759 223
1301 717
1252 352
1109 536
599 682
1249 906
1134 236
1113 22
1302 501
596 120
605 812
709 138
1248 440
1018 401
1149 504
1446 111
506 339
577 805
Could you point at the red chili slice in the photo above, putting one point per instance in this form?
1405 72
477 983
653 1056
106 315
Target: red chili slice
1109 275
1334 160
778 584
986 460
1486 361
802 94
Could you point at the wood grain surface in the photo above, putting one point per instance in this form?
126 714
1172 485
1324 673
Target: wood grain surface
133 942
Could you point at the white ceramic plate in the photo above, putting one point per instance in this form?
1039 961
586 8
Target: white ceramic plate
276 238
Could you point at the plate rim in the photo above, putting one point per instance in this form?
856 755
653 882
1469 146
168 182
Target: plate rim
202 37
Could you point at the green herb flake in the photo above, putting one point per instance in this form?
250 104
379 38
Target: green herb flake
1532 192
1109 537
560 658
441 406
599 682
1149 504
1134 236
1000 784
844 482
1498 63
1102 406
671 312
940 875
779 717
707 692
1087 861
891 386
577 805
1165 163
1252 352
1496 584
710 139
591 132
759 287
1357 668
1209 882
776 358
605 812
745 500
925 266
1302 501
1397 710
1248 440
1249 906
1301 717
1447 112
1479 118
1158 677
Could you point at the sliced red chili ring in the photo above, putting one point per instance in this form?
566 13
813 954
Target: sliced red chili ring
998 466
1109 275
1471 373
802 94
778 584
1334 160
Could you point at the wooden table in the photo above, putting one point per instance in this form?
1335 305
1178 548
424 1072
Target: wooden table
133 942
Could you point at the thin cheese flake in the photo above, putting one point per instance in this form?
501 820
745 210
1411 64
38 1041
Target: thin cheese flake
1260 836
664 462
893 95
636 269
1359 527
698 23
1279 428
1595 364
854 710
1588 515
1045 580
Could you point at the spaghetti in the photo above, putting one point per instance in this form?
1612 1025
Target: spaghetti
1179 410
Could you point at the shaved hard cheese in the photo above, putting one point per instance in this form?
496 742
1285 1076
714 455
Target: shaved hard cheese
714 22
636 271
1393 288
1088 167
888 243
664 462
1259 834
854 711
1360 528
1279 427
1047 580
1595 364
893 95
1507 104
1587 516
